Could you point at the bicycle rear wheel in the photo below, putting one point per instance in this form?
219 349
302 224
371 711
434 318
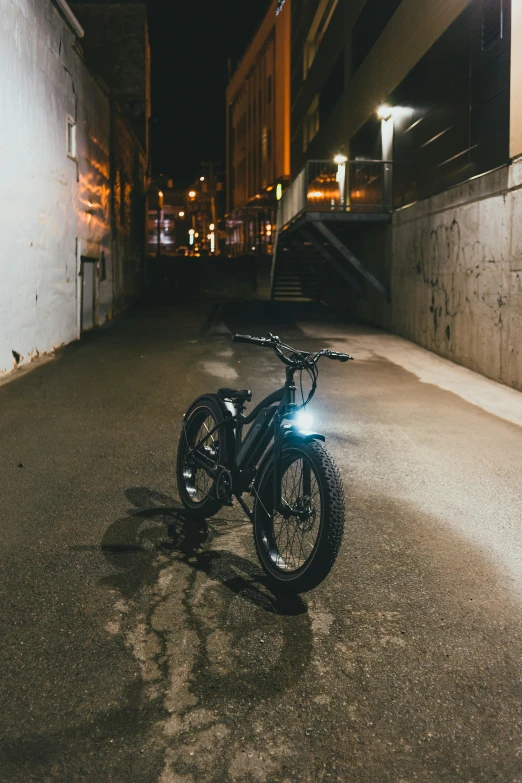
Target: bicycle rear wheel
197 489
298 547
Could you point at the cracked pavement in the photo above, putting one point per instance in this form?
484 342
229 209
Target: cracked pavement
137 648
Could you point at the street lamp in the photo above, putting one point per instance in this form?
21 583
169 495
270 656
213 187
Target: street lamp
192 194
341 176
160 205
212 227
384 112
182 214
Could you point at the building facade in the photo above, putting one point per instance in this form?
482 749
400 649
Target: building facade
116 47
437 89
258 134
72 190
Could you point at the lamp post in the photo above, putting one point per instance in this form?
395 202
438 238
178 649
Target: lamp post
385 114
160 206
341 177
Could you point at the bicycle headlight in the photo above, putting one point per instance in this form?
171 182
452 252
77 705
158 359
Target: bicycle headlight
304 420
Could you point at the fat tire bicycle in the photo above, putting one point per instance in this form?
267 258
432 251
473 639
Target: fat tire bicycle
298 497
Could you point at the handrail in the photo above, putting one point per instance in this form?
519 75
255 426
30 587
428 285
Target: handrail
360 185
353 160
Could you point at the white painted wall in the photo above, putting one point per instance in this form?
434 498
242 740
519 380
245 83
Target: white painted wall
53 209
38 263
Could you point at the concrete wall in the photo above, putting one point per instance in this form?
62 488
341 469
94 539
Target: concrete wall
515 130
53 209
457 274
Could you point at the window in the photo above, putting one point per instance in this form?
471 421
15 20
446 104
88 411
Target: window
492 23
71 138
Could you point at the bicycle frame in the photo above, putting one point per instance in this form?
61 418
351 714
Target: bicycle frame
267 424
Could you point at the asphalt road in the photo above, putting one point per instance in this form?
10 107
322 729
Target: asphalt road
134 649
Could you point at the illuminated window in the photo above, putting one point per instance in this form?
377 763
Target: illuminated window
71 138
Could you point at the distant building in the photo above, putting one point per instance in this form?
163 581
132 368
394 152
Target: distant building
258 134
72 193
427 244
167 224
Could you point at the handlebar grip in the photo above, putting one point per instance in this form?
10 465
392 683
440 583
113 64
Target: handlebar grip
341 357
246 338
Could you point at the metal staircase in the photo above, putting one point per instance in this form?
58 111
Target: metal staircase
297 276
320 220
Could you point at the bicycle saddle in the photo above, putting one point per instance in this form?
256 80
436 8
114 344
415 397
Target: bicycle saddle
238 395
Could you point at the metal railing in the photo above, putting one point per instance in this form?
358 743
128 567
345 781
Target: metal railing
325 186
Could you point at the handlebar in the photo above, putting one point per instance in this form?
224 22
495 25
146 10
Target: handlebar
341 357
246 338
298 358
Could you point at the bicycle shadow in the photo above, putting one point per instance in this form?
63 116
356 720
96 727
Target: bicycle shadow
156 534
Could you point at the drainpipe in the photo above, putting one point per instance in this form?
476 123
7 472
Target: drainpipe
70 17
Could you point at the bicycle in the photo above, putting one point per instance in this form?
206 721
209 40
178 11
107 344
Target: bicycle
298 511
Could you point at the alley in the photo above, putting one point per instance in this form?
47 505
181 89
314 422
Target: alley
136 649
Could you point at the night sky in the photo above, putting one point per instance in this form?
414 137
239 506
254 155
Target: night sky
191 43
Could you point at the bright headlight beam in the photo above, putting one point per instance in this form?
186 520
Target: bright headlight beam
304 420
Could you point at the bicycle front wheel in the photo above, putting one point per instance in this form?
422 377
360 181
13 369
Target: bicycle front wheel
298 544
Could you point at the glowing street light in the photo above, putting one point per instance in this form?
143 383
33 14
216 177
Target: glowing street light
182 214
341 176
384 112
192 194
212 227
202 179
